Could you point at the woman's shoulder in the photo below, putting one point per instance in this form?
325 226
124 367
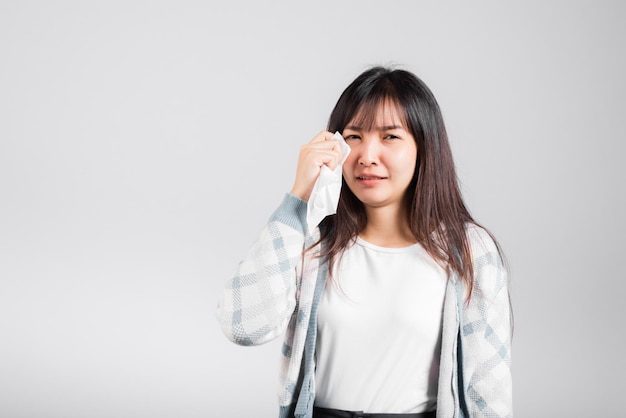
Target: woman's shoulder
490 273
481 241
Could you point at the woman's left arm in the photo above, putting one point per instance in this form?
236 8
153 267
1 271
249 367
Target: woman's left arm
487 332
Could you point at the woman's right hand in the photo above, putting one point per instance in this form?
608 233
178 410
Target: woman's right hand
317 153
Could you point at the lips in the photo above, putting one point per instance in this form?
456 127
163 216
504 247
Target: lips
370 177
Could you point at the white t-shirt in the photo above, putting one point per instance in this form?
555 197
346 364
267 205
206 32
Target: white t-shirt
379 331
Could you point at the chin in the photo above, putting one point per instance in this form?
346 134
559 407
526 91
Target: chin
375 203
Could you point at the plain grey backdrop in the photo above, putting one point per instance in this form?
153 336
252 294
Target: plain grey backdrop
143 145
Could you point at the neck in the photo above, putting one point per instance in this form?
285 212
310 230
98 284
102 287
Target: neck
387 227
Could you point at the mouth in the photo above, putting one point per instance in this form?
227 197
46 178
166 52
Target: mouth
370 178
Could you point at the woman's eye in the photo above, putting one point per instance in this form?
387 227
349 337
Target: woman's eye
348 137
391 137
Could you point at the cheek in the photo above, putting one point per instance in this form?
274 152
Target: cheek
404 163
348 165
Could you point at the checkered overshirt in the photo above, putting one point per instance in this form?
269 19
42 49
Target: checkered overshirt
276 290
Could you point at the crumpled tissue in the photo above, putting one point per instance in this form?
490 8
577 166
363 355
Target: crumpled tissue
325 195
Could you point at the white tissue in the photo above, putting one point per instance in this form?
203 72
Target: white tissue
325 195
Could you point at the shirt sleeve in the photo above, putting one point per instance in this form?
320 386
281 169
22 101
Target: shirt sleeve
256 304
486 333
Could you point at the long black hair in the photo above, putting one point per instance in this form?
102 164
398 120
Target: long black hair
436 214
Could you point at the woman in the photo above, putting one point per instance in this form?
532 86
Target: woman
398 304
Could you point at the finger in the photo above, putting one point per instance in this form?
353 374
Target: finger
329 158
321 137
329 144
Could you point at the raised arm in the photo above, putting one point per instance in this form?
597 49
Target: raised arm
257 303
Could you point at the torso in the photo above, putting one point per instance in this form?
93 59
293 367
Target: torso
379 331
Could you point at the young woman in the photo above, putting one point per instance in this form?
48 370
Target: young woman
398 304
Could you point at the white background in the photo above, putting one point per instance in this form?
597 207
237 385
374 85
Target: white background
143 144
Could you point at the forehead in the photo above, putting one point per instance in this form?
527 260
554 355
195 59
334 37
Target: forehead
374 115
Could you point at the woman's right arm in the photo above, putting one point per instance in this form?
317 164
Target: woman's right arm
258 301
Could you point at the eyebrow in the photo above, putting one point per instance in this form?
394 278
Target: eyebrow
381 128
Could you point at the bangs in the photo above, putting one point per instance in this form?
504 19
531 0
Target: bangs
376 94
367 113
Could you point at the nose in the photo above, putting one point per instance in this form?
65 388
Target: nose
368 153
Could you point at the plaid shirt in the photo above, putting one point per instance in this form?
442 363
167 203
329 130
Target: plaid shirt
276 291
